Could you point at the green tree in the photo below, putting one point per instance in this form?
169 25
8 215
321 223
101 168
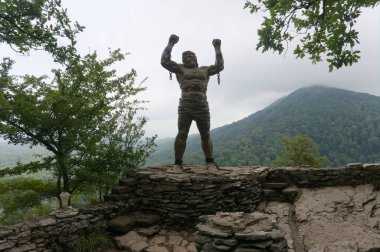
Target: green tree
38 25
85 117
299 151
21 198
319 27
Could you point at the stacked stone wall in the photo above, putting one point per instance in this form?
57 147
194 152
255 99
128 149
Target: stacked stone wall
58 229
183 197
351 175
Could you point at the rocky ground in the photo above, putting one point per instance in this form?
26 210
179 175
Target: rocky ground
166 240
299 212
342 219
329 219
140 231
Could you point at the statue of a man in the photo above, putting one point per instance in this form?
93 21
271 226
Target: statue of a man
193 105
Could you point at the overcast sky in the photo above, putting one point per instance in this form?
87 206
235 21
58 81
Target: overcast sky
250 80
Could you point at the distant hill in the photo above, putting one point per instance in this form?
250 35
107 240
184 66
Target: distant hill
344 124
11 154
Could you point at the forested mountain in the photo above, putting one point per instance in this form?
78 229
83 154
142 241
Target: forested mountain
344 124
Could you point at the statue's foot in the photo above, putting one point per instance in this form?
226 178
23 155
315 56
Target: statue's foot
212 167
175 169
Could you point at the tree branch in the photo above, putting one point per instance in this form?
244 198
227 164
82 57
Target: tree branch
36 137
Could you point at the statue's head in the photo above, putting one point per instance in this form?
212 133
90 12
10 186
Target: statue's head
189 59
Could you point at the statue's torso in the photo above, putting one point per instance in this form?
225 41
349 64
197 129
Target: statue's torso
193 83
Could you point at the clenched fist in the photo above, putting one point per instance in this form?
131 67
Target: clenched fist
216 42
173 39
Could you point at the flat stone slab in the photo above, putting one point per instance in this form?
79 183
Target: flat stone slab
123 223
197 172
340 218
240 232
145 219
126 222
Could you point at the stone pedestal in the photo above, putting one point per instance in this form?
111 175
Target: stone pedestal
183 197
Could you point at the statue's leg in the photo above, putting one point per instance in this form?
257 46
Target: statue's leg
204 131
184 123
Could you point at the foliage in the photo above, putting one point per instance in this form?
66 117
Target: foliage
38 24
344 124
299 151
319 27
22 198
85 117
97 240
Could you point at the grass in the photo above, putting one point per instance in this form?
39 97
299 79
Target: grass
92 242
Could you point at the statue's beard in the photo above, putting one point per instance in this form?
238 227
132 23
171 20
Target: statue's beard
190 64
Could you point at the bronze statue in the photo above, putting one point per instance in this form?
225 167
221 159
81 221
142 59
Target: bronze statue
193 105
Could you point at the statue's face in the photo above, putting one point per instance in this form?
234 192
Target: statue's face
189 60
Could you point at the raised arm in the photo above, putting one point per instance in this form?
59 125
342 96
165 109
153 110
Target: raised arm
219 62
166 61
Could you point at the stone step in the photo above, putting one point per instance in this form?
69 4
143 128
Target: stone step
125 223
122 224
146 219
288 194
127 181
354 165
275 186
122 189
273 195
116 197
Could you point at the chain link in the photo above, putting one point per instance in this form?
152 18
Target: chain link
170 76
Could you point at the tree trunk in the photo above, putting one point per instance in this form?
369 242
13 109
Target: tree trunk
64 175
